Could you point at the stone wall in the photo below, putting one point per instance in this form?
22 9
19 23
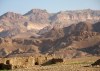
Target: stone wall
26 62
19 62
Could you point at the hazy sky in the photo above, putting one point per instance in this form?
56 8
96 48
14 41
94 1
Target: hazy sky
23 6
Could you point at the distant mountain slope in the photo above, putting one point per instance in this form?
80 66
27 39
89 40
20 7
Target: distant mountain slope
37 19
66 33
71 40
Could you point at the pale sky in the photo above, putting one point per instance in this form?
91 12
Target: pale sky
23 6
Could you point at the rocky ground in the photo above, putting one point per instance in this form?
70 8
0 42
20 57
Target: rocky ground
78 67
78 64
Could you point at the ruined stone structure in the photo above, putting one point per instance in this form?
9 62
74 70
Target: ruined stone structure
27 62
17 62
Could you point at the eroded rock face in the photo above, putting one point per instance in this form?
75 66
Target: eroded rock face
58 39
75 16
38 16
59 30
37 19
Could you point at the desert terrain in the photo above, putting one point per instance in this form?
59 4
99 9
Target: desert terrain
28 41
75 64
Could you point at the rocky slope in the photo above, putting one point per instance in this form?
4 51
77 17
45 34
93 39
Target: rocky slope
77 40
68 33
38 19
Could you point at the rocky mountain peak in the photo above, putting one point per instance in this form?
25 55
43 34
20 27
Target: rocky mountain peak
36 11
38 16
11 15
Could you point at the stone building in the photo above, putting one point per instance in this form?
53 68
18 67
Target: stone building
17 62
27 62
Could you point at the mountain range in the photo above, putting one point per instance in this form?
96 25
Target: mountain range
66 33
